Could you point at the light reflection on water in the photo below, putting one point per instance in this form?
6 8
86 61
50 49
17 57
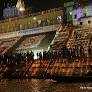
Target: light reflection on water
34 85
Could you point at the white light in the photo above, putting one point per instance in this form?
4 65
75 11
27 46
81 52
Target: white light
34 18
35 53
39 21
21 9
70 13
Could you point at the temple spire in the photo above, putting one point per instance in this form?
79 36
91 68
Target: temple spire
20 5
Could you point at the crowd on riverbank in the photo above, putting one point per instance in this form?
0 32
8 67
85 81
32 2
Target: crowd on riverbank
63 53
10 63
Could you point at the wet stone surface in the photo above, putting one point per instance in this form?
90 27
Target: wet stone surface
35 85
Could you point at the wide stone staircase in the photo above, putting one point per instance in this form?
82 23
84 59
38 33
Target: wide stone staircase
80 37
7 44
62 37
36 42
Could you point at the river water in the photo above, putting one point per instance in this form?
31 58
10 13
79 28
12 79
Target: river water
35 85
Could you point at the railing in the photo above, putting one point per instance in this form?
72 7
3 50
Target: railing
30 15
28 31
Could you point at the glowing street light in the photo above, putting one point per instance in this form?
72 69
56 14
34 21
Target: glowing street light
34 18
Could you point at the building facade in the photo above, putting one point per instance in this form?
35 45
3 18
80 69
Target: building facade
75 11
13 11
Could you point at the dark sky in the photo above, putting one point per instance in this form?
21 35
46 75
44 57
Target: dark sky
35 4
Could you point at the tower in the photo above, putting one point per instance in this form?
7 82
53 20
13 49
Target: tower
20 5
14 10
68 7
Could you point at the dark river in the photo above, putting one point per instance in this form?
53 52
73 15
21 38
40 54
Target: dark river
34 85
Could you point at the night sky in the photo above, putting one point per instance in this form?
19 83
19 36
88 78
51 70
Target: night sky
37 5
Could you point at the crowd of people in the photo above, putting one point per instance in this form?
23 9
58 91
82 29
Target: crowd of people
11 61
63 53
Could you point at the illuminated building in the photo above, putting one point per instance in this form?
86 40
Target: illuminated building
68 11
13 11
43 18
81 12
20 6
77 11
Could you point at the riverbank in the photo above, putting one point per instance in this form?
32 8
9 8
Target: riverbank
53 69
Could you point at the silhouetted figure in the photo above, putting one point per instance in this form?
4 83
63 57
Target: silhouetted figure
89 51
